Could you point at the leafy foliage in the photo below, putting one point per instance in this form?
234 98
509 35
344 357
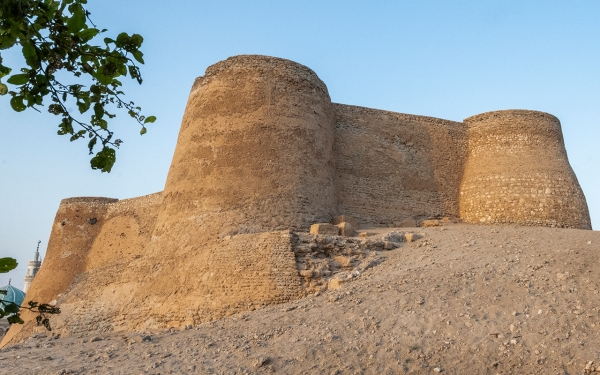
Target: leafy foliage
12 311
7 264
55 36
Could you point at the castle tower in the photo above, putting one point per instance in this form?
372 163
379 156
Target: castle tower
254 153
517 172
32 268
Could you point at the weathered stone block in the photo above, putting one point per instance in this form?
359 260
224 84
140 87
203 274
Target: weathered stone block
394 237
346 229
366 234
346 219
324 228
430 223
407 223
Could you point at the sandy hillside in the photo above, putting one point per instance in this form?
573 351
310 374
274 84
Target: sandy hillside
460 300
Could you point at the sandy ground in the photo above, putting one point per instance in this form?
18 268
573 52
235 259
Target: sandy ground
460 300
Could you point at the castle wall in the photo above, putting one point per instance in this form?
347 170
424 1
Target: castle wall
126 230
221 278
76 225
518 172
392 166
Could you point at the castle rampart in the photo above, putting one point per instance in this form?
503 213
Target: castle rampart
262 151
392 166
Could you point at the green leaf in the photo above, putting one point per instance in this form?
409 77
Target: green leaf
103 124
143 131
138 55
41 79
103 79
11 308
30 54
4 70
18 79
7 264
15 319
77 20
66 126
17 103
123 41
92 143
98 110
83 106
123 69
150 119
104 159
134 72
88 34
137 39
3 89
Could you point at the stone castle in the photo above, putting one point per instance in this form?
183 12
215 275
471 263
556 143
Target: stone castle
262 154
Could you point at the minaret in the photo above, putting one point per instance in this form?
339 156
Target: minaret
32 268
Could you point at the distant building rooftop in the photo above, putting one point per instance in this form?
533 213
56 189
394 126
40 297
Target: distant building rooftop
12 294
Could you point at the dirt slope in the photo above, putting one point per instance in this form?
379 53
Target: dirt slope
460 300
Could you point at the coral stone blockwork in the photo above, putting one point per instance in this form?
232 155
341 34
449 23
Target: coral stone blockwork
517 172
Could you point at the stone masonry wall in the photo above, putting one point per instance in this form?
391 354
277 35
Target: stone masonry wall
223 277
392 166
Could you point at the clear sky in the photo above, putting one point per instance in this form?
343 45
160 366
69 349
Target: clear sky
447 59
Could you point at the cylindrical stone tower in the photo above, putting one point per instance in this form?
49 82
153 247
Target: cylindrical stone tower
254 152
517 172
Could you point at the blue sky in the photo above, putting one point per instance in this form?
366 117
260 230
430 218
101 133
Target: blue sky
438 58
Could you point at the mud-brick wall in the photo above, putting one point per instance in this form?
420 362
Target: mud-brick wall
392 166
76 225
220 278
518 172
126 230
